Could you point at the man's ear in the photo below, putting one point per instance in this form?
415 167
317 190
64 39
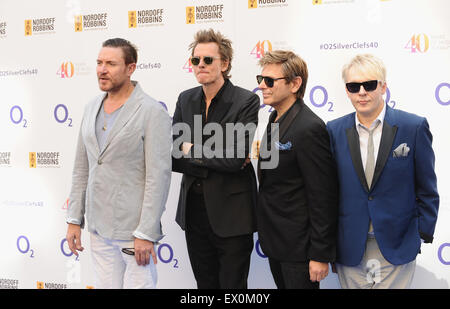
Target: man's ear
296 84
131 68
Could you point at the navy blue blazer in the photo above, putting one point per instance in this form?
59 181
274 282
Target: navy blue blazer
403 200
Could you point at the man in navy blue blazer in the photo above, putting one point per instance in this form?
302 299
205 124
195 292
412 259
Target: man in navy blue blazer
388 200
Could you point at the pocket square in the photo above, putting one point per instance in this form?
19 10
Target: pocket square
281 146
401 151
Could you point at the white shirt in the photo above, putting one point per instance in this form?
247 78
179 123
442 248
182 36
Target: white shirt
364 136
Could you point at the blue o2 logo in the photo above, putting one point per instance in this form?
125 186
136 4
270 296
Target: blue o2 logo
24 247
67 252
165 255
440 255
61 114
259 250
16 116
438 93
324 101
388 98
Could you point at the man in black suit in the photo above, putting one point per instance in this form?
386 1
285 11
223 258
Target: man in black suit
218 191
297 201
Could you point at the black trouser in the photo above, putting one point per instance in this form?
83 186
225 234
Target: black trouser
292 275
217 262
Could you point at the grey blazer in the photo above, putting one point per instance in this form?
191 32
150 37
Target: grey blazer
123 188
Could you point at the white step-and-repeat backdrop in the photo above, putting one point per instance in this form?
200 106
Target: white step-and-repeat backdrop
48 53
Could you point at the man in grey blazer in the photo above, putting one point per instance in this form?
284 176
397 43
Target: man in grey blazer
121 175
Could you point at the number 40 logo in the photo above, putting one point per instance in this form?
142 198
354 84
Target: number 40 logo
418 43
66 70
261 48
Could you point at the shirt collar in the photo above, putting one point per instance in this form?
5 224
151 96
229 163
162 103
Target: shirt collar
219 93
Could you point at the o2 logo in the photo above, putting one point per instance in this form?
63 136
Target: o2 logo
165 255
61 114
258 250
440 255
66 70
16 116
261 48
73 274
388 99
24 247
67 252
418 43
188 66
324 102
438 94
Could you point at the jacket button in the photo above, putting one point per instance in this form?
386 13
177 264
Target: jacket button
99 162
370 198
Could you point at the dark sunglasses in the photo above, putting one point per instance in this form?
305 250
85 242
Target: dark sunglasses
370 85
269 81
207 60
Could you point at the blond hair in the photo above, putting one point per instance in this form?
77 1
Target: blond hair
366 64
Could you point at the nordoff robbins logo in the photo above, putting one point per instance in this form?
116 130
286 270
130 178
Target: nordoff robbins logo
5 158
204 13
253 4
96 21
141 18
44 159
235 144
40 26
2 29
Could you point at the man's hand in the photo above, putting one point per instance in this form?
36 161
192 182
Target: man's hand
186 147
246 162
142 251
74 238
317 271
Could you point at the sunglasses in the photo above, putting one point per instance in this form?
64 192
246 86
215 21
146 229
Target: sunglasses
207 60
269 81
370 85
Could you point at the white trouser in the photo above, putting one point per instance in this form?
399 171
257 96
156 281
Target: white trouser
117 270
375 272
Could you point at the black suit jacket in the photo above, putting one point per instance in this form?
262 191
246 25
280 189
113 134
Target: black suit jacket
298 200
230 192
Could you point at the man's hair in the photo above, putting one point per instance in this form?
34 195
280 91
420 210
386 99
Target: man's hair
367 65
225 49
129 50
293 66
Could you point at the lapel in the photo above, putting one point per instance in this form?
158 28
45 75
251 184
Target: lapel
130 107
264 143
195 104
193 109
92 119
283 128
387 139
294 110
355 152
